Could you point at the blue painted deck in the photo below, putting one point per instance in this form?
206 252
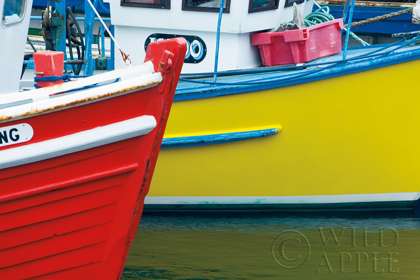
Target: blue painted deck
236 82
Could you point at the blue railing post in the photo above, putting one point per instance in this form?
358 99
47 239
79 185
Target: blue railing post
346 11
59 22
216 57
111 65
350 15
102 41
89 20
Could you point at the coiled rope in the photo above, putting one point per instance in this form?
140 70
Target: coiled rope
319 16
323 15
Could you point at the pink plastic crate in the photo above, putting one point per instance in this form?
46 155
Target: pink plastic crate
300 45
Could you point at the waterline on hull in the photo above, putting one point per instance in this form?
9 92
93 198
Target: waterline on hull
350 201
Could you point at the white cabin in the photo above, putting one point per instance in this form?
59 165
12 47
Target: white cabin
15 15
138 22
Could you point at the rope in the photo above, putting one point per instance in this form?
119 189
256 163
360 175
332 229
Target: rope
357 38
323 15
379 18
67 78
125 57
30 43
406 35
64 77
317 17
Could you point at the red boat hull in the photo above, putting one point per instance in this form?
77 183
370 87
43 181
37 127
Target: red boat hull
73 216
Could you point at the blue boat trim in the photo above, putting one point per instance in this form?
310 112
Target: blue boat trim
278 79
213 139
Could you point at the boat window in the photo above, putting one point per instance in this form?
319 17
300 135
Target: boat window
262 5
158 4
205 5
289 3
13 11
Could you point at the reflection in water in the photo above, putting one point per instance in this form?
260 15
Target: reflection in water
361 245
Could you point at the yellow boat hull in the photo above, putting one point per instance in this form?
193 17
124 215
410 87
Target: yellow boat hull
349 139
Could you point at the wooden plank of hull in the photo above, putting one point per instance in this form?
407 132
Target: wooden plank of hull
76 224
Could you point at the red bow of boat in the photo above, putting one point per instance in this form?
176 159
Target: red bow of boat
75 165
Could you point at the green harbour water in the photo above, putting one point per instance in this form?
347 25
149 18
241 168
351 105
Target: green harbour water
254 245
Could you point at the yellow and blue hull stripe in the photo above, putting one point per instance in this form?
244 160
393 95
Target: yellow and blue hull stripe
346 136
